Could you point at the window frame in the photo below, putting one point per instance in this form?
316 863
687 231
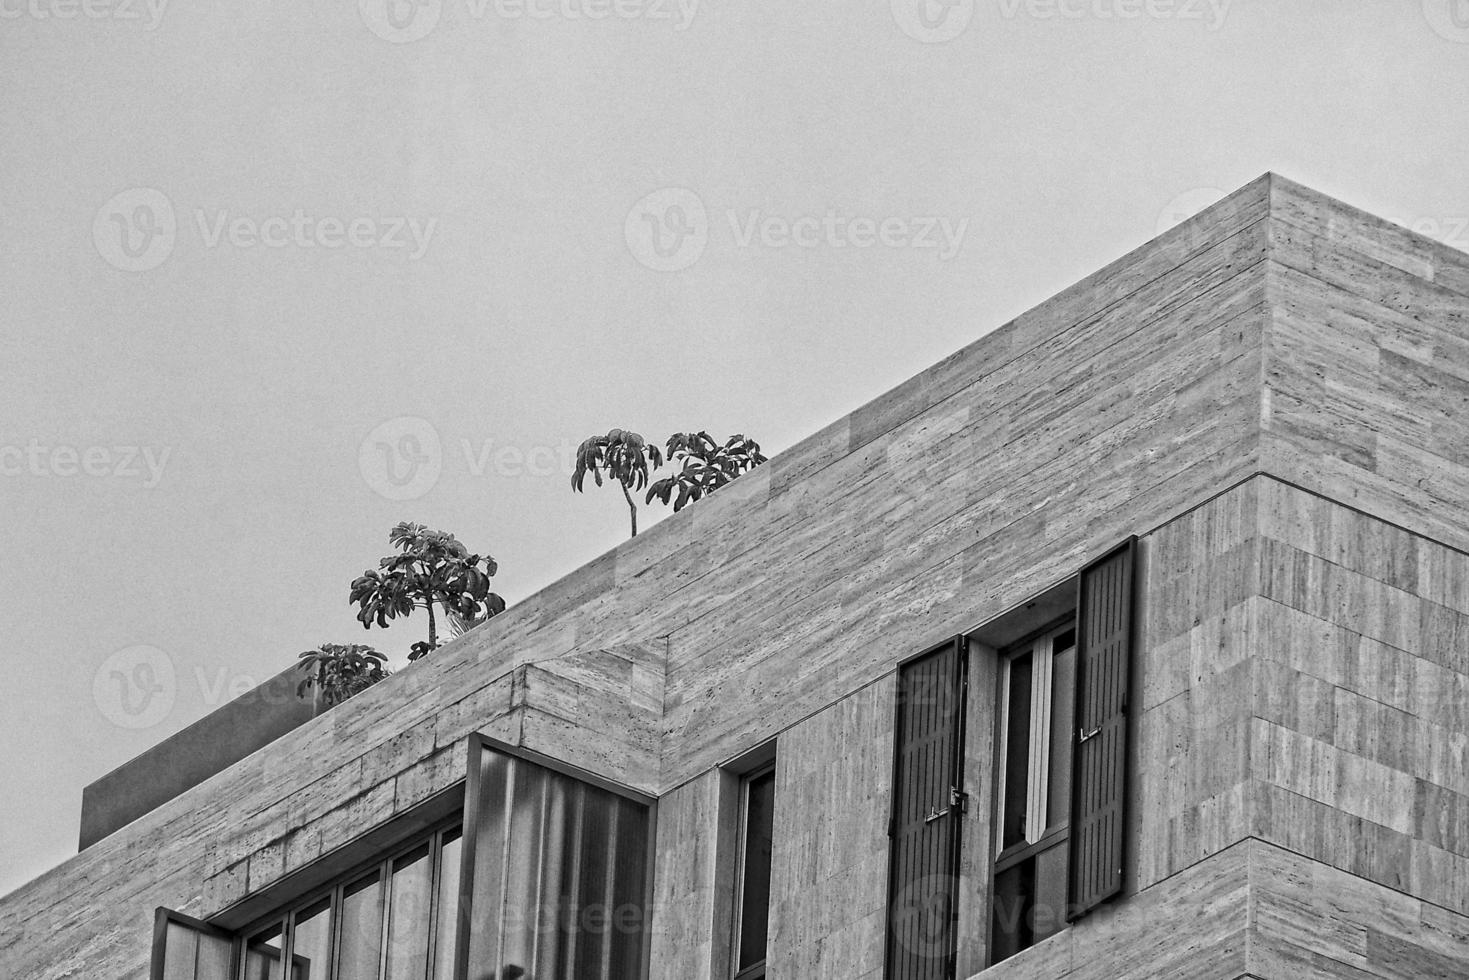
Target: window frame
439 834
1052 835
757 970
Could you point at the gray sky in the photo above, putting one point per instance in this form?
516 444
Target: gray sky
276 278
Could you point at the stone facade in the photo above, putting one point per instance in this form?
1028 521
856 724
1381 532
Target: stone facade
1271 397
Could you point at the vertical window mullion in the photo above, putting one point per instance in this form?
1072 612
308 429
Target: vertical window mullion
1040 740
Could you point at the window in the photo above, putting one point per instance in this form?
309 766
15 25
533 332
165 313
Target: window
1054 848
1062 735
757 835
561 871
1037 689
550 870
378 923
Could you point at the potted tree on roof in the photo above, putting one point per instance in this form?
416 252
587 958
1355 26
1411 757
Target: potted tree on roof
431 569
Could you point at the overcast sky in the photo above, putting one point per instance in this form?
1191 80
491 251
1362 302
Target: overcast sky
278 275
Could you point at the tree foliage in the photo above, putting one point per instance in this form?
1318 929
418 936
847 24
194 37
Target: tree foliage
432 569
705 466
624 457
340 670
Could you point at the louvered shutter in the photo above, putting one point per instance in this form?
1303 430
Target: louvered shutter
1104 655
927 803
186 949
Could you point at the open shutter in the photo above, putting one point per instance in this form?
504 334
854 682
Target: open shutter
186 949
927 802
1104 655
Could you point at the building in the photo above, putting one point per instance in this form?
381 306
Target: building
1130 641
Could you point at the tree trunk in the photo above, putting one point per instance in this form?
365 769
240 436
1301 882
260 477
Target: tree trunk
433 634
632 509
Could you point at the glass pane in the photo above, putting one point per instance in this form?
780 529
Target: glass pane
523 867
588 942
1017 752
192 954
408 916
630 889
1014 891
263 954
362 924
560 877
755 879
489 865
1063 688
311 942
448 911
1048 911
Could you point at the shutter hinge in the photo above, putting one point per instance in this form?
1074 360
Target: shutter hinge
958 801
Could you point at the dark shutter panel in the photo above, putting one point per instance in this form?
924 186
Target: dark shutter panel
186 949
927 803
1104 655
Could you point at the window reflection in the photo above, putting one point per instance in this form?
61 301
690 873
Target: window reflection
263 954
560 876
362 922
311 942
559 893
446 930
408 916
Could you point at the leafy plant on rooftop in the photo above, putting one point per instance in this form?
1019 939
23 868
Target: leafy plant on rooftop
340 670
624 457
705 466
431 569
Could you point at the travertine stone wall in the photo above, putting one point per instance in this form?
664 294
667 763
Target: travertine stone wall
1255 911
